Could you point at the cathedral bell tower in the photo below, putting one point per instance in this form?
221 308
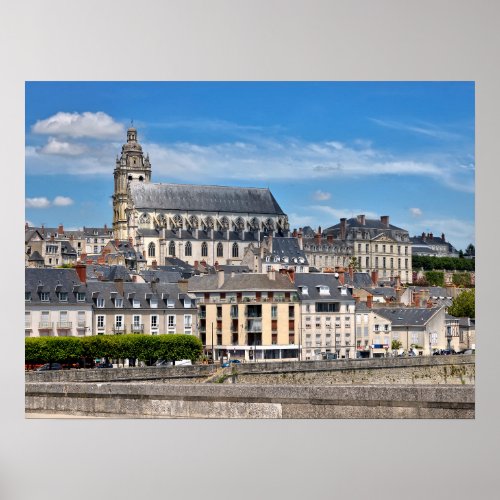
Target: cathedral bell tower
131 166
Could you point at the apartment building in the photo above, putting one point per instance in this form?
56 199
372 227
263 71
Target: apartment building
253 317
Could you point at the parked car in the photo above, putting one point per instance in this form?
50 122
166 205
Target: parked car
162 362
235 361
48 366
469 351
104 365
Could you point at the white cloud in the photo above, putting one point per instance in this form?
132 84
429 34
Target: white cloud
55 147
62 201
339 213
416 212
92 125
37 202
321 195
421 128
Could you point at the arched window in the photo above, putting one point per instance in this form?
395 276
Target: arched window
235 250
220 250
151 250
141 178
204 249
188 249
171 249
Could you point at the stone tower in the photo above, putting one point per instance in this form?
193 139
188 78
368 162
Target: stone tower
130 166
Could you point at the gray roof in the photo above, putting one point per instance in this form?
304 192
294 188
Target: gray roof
189 197
313 280
240 282
288 247
107 273
234 269
408 316
384 291
35 257
360 280
161 276
52 281
369 224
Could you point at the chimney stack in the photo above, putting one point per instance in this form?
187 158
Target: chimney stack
343 228
154 264
361 219
295 233
351 274
60 229
384 219
81 270
183 285
317 237
105 227
442 237
329 238
341 277
220 278
369 301
299 237
375 278
196 264
271 275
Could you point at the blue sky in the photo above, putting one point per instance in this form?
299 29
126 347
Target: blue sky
325 149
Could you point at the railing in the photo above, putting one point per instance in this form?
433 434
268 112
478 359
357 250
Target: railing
64 325
81 324
137 328
45 325
119 329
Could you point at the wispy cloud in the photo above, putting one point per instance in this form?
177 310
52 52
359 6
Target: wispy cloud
41 202
44 202
321 195
91 125
421 128
55 147
416 212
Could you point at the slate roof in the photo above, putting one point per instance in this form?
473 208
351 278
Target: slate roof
384 291
240 282
161 276
283 247
191 198
35 257
67 249
369 224
313 280
51 281
107 273
101 231
360 280
234 269
410 316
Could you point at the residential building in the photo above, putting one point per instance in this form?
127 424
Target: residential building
249 316
428 245
327 316
373 332
377 245
467 333
56 304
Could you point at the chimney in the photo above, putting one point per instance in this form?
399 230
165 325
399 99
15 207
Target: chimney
397 283
329 238
423 236
375 278
119 285
351 273
105 227
317 237
369 301
220 278
442 237
431 236
341 277
43 230
134 278
299 237
291 275
271 275
60 229
81 270
154 264
26 226
361 219
384 219
196 264
399 295
183 285
343 228
356 299
294 234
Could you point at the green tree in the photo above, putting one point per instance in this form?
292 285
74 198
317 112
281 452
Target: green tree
354 263
464 305
396 344
435 278
470 251
461 279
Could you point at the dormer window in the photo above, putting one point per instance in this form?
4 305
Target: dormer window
80 297
44 296
187 303
27 296
153 303
170 303
324 290
118 302
136 303
304 290
62 296
100 302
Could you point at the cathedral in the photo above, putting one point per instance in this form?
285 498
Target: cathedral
191 222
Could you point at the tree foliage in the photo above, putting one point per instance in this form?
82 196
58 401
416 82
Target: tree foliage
396 344
461 279
464 305
138 346
442 263
434 278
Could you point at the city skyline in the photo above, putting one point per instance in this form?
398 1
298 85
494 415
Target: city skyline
325 149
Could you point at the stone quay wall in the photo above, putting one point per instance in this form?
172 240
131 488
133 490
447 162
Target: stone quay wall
153 400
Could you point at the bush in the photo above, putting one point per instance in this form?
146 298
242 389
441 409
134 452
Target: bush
52 349
442 263
435 278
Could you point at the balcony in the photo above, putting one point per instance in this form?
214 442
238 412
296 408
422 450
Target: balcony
64 325
81 324
137 328
119 329
45 325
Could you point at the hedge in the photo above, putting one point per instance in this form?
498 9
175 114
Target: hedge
171 347
442 263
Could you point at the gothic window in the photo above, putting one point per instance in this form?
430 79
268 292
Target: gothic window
177 219
144 219
193 220
224 223
240 224
188 251
209 223
141 178
171 249
162 220
235 250
204 249
269 224
220 250
254 224
151 250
